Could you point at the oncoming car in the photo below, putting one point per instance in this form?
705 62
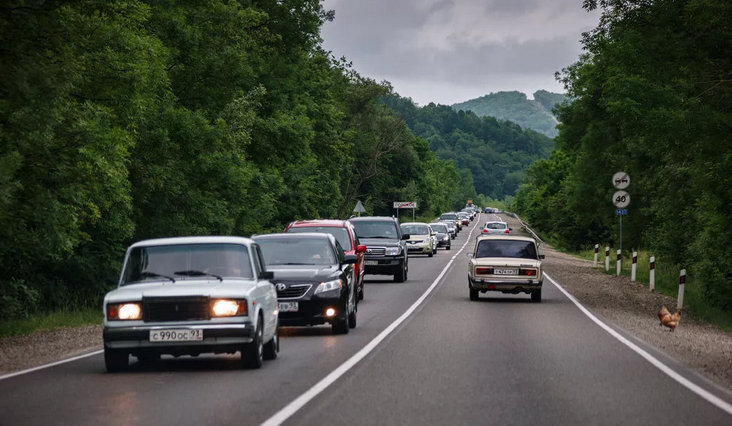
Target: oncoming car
505 263
191 295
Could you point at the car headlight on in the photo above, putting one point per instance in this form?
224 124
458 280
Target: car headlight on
329 286
393 251
228 308
129 311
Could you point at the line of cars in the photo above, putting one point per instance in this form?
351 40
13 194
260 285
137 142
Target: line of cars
218 294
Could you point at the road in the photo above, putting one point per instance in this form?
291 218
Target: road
501 360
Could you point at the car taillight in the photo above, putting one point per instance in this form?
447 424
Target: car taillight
485 231
527 272
506 231
484 271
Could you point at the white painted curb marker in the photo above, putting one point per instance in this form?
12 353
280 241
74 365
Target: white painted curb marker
682 281
652 274
597 247
634 266
607 258
620 262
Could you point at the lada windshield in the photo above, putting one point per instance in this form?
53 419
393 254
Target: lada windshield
187 261
376 229
415 229
506 248
340 234
297 251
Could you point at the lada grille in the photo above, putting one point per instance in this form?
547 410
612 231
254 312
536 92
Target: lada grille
294 291
375 251
189 308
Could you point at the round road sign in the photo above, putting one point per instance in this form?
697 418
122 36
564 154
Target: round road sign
621 199
621 180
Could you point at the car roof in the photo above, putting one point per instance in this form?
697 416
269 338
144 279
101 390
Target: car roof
335 223
414 223
286 235
505 237
211 239
372 219
495 221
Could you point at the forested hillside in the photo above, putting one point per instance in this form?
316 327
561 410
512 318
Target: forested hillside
514 106
496 152
652 97
121 121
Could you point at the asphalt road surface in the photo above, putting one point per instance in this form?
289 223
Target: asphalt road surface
501 360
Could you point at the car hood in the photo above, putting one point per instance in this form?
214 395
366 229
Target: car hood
380 242
182 288
301 273
418 237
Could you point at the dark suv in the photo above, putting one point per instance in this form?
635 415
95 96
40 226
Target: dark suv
386 251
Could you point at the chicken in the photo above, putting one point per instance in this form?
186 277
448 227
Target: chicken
669 320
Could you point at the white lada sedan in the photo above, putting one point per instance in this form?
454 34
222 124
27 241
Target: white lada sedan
191 295
505 263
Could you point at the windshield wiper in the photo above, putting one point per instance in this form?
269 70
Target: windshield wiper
379 236
194 273
155 275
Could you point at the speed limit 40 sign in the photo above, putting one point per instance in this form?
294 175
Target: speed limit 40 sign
621 199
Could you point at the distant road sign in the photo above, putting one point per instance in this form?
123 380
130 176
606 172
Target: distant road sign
621 199
405 204
621 212
621 180
359 207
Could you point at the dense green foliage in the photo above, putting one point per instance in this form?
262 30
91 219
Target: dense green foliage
515 106
496 152
136 119
652 97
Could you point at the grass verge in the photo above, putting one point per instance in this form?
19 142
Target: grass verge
50 321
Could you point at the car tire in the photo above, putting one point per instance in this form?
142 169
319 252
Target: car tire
448 247
340 326
352 317
474 294
434 250
360 290
536 296
401 276
430 254
252 353
272 348
116 360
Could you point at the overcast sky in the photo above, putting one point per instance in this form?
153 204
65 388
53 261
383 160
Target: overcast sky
448 51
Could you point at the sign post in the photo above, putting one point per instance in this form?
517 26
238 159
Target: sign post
621 199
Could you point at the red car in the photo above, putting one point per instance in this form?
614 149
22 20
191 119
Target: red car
343 231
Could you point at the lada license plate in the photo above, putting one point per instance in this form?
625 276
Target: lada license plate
288 306
505 271
370 262
176 335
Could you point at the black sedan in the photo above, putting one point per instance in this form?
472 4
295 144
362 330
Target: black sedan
314 279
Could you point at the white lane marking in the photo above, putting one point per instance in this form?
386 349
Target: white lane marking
708 396
41 367
286 412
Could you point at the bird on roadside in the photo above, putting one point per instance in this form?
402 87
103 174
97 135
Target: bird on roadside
668 319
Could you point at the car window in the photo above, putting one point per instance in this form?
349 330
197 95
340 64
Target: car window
415 229
438 227
495 225
297 251
506 248
341 234
376 229
156 262
449 216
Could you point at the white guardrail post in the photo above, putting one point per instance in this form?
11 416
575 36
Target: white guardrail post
682 281
607 258
634 266
597 248
620 262
652 274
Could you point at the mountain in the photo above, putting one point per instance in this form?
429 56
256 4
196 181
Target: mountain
496 152
515 106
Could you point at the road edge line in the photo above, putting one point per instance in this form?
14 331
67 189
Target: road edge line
683 381
51 364
293 407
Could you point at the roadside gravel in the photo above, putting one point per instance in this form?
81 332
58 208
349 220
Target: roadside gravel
617 300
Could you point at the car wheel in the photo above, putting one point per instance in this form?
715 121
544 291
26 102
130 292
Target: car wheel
401 276
272 348
115 359
474 294
430 254
536 296
448 247
360 290
340 326
352 316
252 353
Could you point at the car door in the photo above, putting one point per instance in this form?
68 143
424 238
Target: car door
267 292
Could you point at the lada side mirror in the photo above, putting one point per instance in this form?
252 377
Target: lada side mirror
541 256
405 236
266 275
361 249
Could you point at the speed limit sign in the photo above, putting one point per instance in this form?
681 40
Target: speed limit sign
621 199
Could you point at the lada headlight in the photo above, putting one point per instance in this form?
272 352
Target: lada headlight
129 311
228 308
329 286
393 251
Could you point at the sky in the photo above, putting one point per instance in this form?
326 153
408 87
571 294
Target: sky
449 51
